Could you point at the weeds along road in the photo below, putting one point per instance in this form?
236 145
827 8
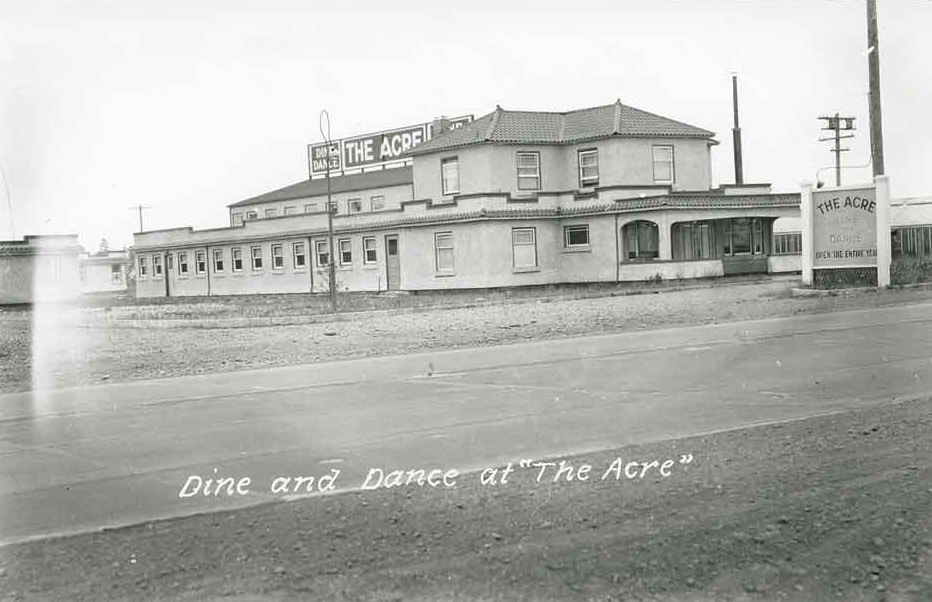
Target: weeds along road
842 469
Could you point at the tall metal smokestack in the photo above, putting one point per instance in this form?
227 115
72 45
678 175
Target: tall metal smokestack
736 133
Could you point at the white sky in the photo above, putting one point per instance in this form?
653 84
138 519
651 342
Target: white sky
188 106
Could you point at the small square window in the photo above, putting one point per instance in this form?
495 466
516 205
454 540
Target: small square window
377 203
310 208
237 219
354 205
576 236
271 212
289 210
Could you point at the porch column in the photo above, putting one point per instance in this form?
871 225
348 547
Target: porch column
665 239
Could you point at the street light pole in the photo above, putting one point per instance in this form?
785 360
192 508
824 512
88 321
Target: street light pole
331 265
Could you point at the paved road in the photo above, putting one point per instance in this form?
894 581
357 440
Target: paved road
81 459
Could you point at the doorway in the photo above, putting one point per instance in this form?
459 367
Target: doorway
392 263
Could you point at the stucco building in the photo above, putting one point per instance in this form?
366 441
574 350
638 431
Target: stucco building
39 269
104 271
513 198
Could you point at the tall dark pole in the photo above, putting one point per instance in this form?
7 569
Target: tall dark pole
837 151
736 134
331 264
873 66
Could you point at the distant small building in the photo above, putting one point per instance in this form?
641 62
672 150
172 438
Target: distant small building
39 268
104 272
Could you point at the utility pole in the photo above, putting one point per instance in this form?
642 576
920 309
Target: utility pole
837 124
873 67
331 264
140 208
736 133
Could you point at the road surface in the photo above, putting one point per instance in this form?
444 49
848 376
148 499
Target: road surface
82 459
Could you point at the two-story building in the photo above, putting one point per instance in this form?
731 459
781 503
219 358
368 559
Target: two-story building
514 198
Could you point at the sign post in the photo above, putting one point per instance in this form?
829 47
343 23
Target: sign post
846 235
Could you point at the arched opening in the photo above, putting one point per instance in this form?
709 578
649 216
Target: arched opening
640 241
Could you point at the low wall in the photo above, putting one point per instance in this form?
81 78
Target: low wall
780 264
670 270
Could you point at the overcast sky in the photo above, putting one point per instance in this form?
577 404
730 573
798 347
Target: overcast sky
187 106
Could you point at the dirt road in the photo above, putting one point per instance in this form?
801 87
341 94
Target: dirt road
829 508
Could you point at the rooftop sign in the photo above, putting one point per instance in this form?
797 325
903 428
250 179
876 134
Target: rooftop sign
371 150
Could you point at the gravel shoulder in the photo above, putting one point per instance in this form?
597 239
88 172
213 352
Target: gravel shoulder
71 348
829 508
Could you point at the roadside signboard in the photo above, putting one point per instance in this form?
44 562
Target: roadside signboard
370 150
844 228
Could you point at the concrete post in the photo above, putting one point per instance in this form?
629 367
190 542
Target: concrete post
664 239
884 247
805 208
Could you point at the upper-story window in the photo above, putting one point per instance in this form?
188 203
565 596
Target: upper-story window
663 164
116 273
354 205
237 219
310 207
588 168
450 175
377 203
271 212
289 210
529 171
251 215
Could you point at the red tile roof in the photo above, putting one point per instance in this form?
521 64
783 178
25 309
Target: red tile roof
539 127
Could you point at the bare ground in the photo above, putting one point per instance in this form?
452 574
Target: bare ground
75 347
823 509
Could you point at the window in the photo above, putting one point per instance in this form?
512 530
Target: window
529 171
692 240
143 267
377 203
218 260
182 263
297 254
912 241
323 256
237 260
346 251
450 175
576 236
788 243
251 215
310 208
443 246
200 262
168 261
743 236
271 212
588 168
237 219
663 164
524 247
641 240
289 210
368 250
116 273
256 258
354 205
278 260
157 265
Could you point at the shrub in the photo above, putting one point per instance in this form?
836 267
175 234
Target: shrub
910 270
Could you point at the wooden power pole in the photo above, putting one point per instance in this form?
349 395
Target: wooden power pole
873 66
